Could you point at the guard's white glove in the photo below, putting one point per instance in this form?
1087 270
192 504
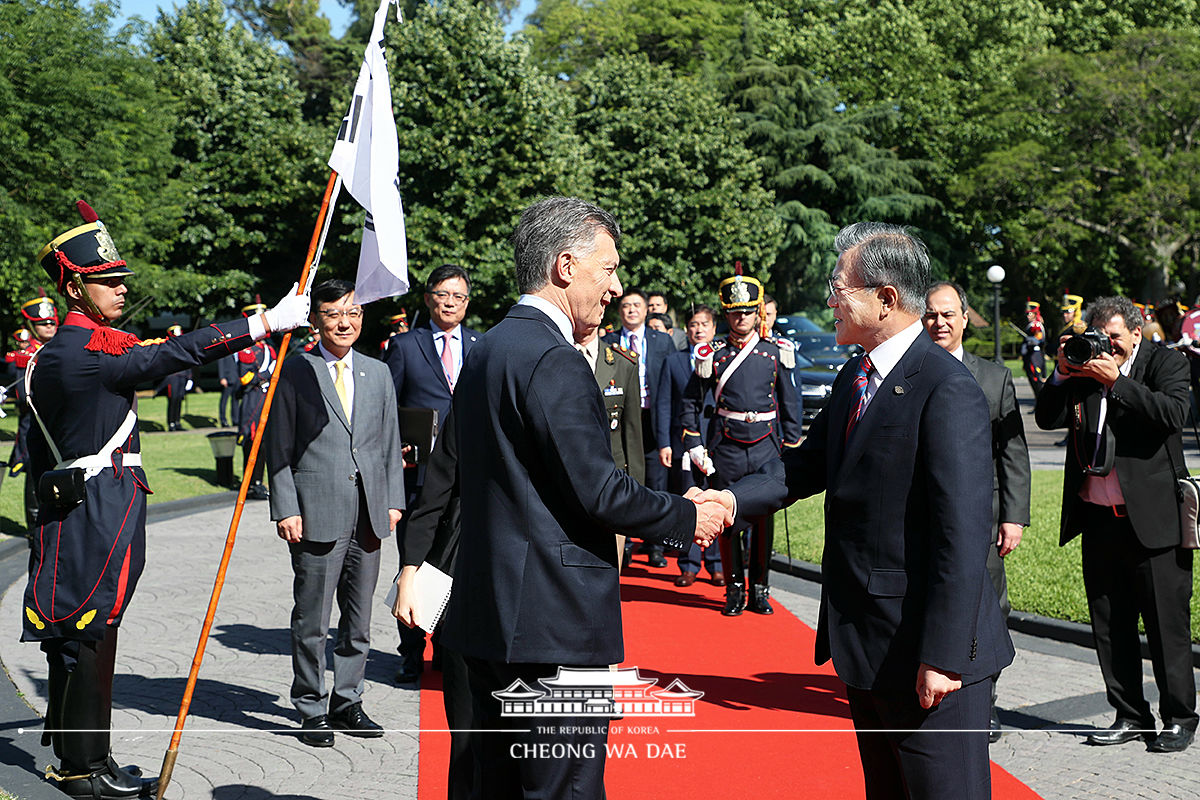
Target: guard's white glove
290 312
700 458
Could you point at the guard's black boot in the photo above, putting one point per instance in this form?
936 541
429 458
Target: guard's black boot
735 599
109 781
758 599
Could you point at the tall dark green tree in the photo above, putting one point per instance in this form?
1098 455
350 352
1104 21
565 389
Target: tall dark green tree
819 159
1096 185
482 134
80 117
670 161
249 170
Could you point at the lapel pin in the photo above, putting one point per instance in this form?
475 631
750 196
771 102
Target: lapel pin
897 390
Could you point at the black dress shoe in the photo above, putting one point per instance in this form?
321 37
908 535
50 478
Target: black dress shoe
411 667
656 559
257 491
1124 731
111 782
735 599
353 721
315 731
758 600
994 728
1173 739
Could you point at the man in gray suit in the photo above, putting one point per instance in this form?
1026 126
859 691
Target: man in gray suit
333 445
945 320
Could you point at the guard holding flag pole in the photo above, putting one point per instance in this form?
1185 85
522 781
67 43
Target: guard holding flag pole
89 548
754 414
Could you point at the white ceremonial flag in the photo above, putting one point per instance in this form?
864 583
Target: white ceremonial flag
366 156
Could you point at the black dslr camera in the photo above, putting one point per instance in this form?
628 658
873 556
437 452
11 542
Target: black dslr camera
1083 347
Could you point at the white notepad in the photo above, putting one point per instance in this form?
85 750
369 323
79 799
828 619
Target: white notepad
433 593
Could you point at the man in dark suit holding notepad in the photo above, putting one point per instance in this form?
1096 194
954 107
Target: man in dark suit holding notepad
541 502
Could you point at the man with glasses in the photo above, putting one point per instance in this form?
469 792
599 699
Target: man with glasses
1124 410
333 444
908 614
751 414
425 363
89 546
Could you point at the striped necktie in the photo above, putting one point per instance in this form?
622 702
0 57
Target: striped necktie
858 396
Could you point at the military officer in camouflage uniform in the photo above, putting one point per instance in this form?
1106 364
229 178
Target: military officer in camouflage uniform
753 416
89 545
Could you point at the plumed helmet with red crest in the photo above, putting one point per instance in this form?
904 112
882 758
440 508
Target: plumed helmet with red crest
84 250
39 309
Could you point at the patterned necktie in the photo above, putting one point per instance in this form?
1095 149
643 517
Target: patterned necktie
858 396
339 385
448 360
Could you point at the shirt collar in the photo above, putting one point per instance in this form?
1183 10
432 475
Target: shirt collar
958 352
453 333
1127 367
330 357
556 315
640 331
887 355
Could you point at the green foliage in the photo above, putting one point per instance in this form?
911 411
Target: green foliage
248 168
482 135
671 163
567 36
1095 183
819 159
80 117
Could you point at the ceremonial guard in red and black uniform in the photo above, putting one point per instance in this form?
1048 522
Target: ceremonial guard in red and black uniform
41 323
1032 355
754 415
254 367
397 323
176 385
89 545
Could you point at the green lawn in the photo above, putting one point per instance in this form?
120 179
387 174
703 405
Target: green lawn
178 465
1043 578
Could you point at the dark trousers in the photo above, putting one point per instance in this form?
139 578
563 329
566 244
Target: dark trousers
227 401
79 706
1124 581
346 570
462 777
534 758
917 754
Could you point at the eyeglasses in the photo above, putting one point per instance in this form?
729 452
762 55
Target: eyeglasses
441 295
337 313
834 289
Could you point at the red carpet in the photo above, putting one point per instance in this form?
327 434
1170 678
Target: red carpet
756 674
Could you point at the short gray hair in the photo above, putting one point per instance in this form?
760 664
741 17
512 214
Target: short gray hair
937 286
552 226
888 255
1103 309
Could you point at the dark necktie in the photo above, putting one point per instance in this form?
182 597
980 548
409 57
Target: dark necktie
858 394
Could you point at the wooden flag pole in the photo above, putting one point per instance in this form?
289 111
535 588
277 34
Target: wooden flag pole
168 765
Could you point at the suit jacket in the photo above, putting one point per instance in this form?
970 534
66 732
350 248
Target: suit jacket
907 528
317 457
673 382
658 346
1010 455
541 502
617 377
417 371
1146 413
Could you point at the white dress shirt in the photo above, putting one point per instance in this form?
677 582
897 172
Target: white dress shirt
347 371
641 351
886 356
556 315
455 337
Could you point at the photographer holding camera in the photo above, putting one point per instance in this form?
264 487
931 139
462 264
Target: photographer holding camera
1124 400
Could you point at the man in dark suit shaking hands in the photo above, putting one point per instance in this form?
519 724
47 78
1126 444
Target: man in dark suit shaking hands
908 614
945 321
541 500
1124 410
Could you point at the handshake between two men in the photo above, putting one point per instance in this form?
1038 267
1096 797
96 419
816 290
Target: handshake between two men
714 513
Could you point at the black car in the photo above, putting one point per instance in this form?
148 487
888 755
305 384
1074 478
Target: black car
822 348
814 384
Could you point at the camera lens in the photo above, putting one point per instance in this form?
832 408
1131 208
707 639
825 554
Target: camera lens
1078 350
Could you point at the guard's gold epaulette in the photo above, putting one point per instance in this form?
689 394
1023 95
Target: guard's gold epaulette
632 356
